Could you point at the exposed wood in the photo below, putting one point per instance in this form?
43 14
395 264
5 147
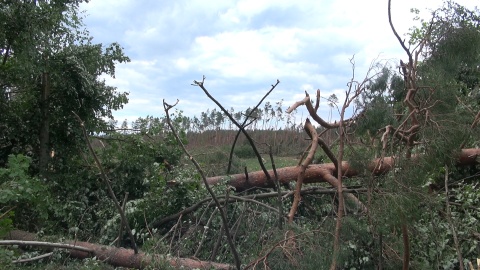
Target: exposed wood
121 257
317 173
303 166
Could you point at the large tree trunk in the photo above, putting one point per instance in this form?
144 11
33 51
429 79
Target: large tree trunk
317 173
44 132
121 257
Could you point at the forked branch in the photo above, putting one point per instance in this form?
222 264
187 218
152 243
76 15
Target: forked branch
223 216
201 84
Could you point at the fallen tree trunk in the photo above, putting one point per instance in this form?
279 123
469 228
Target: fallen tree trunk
317 173
121 257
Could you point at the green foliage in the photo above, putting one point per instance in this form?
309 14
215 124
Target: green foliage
6 257
21 192
214 161
49 69
376 116
434 238
160 199
139 163
244 151
383 97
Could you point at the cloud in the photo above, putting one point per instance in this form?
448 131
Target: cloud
243 47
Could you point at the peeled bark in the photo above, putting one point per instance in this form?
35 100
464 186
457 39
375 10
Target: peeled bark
121 257
317 173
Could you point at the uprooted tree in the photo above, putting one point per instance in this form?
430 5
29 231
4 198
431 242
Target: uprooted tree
398 172
407 129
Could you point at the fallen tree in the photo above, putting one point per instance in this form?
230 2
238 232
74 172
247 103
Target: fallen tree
119 257
317 173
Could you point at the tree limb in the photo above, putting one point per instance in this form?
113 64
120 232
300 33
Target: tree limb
119 257
107 183
223 216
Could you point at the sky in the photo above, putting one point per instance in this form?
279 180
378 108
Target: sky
242 47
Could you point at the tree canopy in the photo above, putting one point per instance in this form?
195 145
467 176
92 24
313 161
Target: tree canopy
49 69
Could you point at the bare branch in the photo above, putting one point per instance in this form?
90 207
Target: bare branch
251 198
119 257
244 124
301 175
277 185
44 244
167 107
107 183
402 43
241 127
36 258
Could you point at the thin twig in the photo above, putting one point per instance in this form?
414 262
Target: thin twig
249 138
251 198
279 192
204 235
6 212
264 257
120 229
44 244
245 122
402 43
36 258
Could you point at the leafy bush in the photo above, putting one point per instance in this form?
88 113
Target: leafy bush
244 151
21 192
215 162
433 244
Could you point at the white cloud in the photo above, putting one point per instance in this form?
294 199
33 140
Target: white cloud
243 46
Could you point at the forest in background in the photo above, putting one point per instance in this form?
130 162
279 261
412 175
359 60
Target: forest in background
395 185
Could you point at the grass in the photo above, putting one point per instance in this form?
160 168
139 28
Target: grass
280 162
214 160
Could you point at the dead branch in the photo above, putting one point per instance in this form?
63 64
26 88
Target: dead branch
302 168
244 124
204 235
44 244
107 183
32 259
250 198
118 257
312 112
263 258
240 127
317 102
328 152
223 216
476 120
402 43
277 186
358 89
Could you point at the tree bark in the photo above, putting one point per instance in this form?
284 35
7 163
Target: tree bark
44 132
121 257
318 173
